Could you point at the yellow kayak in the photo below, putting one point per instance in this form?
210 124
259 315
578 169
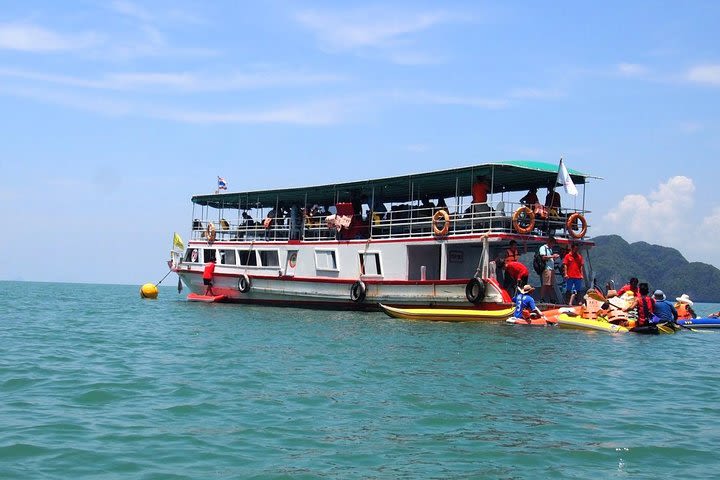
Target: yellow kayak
448 314
567 321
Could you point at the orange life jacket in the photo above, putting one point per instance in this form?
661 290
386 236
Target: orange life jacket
684 311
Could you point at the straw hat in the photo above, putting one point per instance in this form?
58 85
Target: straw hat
527 288
684 298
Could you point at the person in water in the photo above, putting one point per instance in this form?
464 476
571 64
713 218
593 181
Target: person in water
208 275
664 310
683 305
525 306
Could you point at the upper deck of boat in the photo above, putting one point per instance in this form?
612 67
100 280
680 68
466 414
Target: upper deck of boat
402 207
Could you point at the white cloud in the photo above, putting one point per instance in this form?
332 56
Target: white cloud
666 217
691 127
632 69
178 81
31 38
661 216
367 28
445 99
704 74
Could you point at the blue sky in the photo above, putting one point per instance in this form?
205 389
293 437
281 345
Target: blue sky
116 112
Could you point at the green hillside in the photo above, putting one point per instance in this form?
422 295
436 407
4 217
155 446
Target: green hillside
665 268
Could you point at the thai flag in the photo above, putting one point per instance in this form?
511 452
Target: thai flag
222 185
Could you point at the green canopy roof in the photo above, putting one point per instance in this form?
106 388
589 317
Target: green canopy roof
505 177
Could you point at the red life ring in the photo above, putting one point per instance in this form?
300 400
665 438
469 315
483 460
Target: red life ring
529 214
441 232
572 222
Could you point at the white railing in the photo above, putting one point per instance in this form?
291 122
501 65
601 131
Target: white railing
400 222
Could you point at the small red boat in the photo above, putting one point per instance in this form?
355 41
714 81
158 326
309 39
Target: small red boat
194 297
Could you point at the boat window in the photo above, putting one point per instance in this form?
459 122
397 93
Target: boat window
247 258
269 258
325 260
209 254
227 257
370 264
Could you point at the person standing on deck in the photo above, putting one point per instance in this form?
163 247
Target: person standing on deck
208 275
516 274
548 275
480 189
573 273
512 254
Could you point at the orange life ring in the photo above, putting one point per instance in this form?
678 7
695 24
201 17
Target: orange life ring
441 232
210 232
572 222
516 220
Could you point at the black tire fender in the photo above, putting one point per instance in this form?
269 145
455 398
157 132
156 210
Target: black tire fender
475 290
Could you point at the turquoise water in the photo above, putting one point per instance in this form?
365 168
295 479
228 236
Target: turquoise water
97 383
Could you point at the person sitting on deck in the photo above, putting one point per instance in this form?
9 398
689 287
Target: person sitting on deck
525 306
552 202
530 198
684 307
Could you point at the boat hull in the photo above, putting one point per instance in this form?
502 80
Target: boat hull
448 314
700 322
579 323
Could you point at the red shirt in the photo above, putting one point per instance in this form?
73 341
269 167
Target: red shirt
628 288
209 271
479 192
573 265
516 270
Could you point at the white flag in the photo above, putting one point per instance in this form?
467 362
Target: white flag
563 178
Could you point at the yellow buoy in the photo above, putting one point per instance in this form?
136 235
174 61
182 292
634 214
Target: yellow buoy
149 290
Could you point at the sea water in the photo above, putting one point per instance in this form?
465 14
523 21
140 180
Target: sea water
97 383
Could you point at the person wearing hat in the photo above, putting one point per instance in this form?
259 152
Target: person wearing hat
684 308
525 304
664 310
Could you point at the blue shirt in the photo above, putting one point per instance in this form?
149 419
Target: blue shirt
665 311
522 301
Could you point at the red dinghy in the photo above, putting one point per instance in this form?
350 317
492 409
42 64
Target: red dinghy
194 297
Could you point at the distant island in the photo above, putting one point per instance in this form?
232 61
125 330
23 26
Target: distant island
665 268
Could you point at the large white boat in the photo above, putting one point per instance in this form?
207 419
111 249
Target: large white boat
410 240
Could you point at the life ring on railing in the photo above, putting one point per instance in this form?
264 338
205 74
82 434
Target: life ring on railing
529 214
210 232
441 232
572 222
358 291
475 290
244 283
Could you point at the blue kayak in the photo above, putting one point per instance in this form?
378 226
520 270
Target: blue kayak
700 322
